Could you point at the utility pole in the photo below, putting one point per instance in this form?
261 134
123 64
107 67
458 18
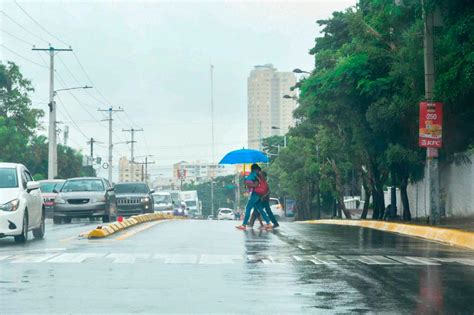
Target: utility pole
132 156
91 143
52 137
431 153
145 169
111 111
212 134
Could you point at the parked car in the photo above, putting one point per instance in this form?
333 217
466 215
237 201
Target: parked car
133 198
47 187
225 214
21 204
85 197
163 202
277 208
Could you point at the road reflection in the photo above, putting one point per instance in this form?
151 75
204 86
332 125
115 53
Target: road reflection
430 299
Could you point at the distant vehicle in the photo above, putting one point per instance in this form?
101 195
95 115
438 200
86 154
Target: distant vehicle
175 196
21 204
210 217
47 187
191 200
85 197
225 214
163 202
181 211
133 198
276 208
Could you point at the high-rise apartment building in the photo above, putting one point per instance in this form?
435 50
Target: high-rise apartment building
127 173
268 112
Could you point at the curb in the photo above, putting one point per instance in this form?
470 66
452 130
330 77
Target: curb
109 229
451 237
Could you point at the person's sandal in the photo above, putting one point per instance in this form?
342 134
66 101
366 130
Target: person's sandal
241 227
268 227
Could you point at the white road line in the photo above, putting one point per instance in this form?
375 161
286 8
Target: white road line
127 258
177 258
74 257
415 261
31 258
462 261
219 259
371 260
3 257
324 259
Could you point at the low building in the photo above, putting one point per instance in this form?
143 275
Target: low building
199 172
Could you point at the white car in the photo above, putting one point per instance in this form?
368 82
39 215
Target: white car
21 204
277 208
225 214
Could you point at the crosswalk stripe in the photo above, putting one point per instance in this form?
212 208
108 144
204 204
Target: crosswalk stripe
463 261
371 260
74 257
3 257
177 258
219 259
127 258
416 261
28 258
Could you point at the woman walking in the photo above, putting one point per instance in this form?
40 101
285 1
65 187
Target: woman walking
252 182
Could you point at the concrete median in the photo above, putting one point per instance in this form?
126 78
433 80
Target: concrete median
447 236
109 229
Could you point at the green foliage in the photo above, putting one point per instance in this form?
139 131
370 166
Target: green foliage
19 123
360 103
224 193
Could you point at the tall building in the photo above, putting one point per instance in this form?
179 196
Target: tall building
268 112
126 174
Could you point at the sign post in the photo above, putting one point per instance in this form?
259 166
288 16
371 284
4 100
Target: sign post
431 138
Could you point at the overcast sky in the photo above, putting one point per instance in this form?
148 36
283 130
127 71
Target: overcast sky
152 59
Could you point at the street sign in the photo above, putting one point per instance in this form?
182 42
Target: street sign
431 125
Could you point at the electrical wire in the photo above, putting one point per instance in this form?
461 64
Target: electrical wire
41 26
27 59
24 28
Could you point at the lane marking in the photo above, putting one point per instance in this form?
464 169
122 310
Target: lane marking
74 257
127 258
141 228
415 261
214 259
25 258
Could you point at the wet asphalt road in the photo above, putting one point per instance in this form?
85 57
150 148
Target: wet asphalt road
210 267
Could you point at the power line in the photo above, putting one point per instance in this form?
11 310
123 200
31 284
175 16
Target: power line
29 60
17 38
41 26
77 81
24 28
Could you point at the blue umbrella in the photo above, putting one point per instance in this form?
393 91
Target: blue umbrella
244 156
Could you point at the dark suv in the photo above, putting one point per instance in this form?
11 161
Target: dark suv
133 198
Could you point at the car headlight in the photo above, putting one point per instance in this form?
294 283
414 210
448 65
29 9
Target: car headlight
98 199
145 200
10 206
59 200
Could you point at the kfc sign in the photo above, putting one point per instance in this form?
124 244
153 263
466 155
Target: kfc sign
431 124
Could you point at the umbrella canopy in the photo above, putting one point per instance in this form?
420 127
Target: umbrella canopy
244 156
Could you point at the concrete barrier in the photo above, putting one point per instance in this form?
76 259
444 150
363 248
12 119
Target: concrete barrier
109 229
451 237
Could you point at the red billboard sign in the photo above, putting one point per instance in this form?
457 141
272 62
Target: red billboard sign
431 124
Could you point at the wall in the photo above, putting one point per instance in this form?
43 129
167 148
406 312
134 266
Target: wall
456 190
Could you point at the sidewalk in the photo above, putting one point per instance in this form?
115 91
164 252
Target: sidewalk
465 224
461 236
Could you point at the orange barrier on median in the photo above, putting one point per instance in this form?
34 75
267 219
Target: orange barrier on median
451 237
106 230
